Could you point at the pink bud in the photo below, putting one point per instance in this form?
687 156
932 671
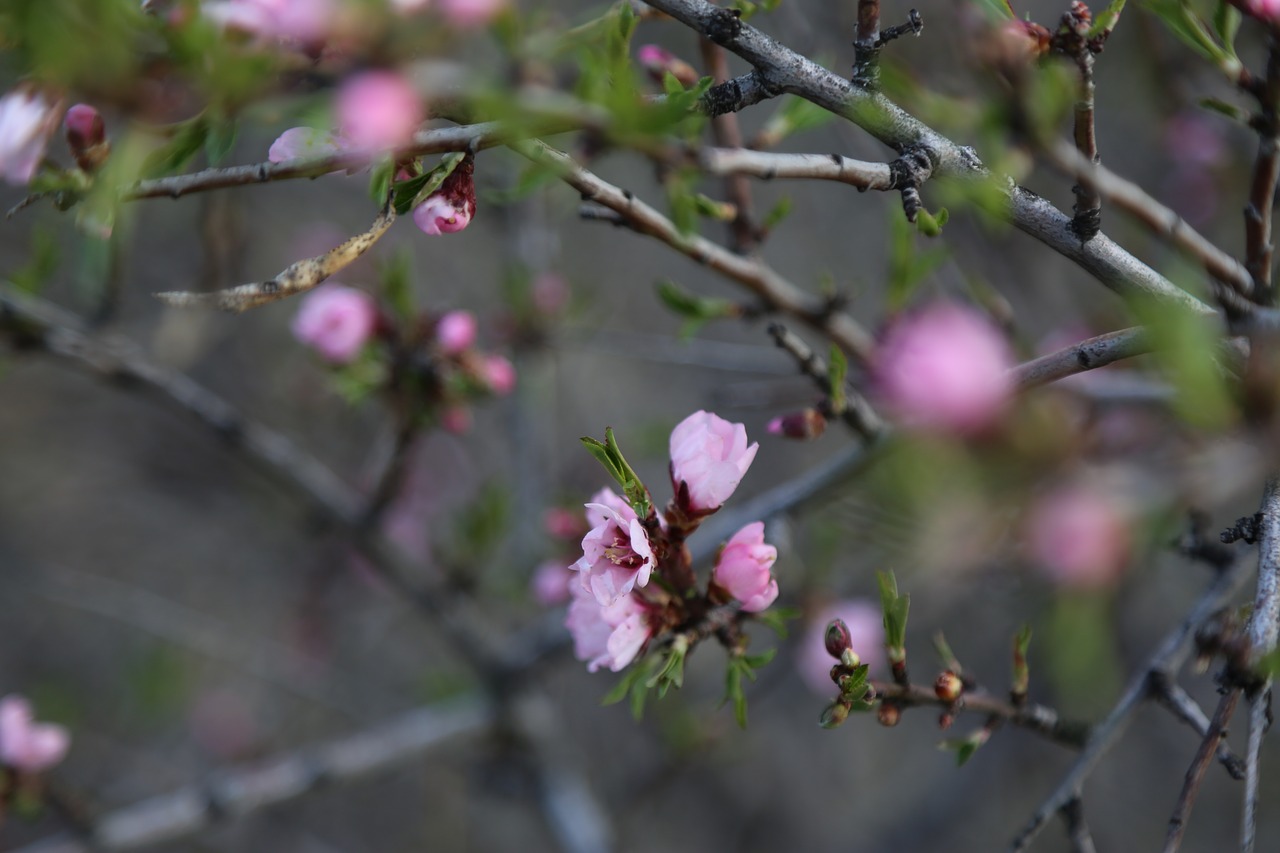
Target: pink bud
377 110
27 119
865 623
945 367
499 375
1079 536
336 321
609 635
26 745
471 13
742 569
710 456
550 583
306 142
616 555
456 332
437 216
803 425
456 420
85 128
658 62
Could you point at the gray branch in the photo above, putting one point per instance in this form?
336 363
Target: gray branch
1263 626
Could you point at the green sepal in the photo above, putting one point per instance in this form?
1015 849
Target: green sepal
413 192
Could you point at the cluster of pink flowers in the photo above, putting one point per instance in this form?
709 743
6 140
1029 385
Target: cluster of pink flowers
25 745
611 619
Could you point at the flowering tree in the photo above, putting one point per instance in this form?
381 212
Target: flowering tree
980 430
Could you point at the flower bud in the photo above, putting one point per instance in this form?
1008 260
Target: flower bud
948 687
888 714
659 62
850 658
835 714
837 638
87 136
803 425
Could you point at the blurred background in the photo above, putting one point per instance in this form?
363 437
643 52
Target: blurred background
182 613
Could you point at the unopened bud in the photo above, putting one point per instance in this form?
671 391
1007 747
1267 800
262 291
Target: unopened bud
803 425
835 714
837 638
948 687
660 62
888 714
87 136
850 658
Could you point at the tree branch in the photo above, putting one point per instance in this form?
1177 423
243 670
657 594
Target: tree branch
1263 627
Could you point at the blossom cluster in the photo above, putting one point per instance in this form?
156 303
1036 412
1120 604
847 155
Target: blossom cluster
615 610
25 745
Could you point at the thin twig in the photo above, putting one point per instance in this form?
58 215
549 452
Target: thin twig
1266 171
856 412
725 131
1209 746
1167 693
1077 830
1040 719
769 165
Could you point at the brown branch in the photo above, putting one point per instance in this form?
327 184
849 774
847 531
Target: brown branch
1266 171
856 412
1086 355
1209 746
1036 718
743 231
1168 694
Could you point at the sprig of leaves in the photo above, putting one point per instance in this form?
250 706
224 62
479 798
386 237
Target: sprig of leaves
608 454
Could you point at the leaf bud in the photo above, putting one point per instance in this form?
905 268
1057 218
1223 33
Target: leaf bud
948 687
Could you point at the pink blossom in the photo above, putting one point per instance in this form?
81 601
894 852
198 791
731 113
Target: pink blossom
471 13
945 367
437 216
658 62
306 142
499 374
27 119
550 583
866 631
455 332
336 321
616 557
606 635
607 500
742 569
305 21
377 110
456 420
563 523
26 745
1267 10
710 456
1079 536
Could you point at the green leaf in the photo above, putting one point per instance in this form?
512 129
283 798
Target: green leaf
413 192
1184 23
930 224
380 180
776 618
895 609
619 691
188 138
776 214
998 10
1105 21
762 659
601 452
219 141
696 308
836 373
1226 23
1232 111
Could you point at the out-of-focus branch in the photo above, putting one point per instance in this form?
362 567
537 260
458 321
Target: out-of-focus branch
1167 658
1078 834
725 131
232 794
761 279
1264 624
1266 172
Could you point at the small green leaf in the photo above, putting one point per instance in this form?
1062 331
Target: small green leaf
837 370
1232 111
776 618
221 138
930 224
601 452
998 10
762 659
380 180
1184 23
895 608
776 214
1226 23
187 139
1105 21
619 691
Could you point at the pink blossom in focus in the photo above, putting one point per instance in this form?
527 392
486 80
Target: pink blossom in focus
710 456
304 21
307 142
471 13
945 367
27 119
499 374
1079 536
377 110
456 332
26 745
609 635
616 557
550 583
604 501
866 630
437 215
456 420
742 569
336 321
563 523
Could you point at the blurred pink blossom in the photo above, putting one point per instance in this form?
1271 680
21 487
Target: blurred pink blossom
550 293
27 119
616 557
945 367
563 523
550 583
438 215
456 331
658 62
865 621
305 21
471 13
456 419
609 635
1267 10
499 374
1194 138
710 456
336 321
26 745
1078 535
222 724
305 142
377 110
743 568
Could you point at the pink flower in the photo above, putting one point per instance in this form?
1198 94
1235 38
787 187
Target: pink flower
377 110
499 374
306 142
27 119
449 209
603 501
305 21
563 523
1267 10
471 13
742 569
616 557
866 632
336 321
606 635
455 332
658 62
550 583
710 456
26 745
1079 536
456 419
945 367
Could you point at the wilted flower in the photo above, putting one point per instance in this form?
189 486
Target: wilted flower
865 622
1079 536
26 745
455 332
742 569
378 110
945 367
336 321
609 635
616 556
27 119
710 456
